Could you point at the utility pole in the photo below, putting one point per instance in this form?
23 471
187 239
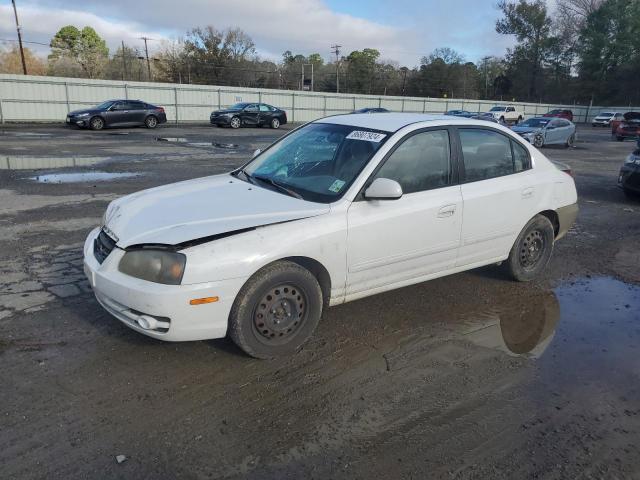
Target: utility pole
15 12
146 52
336 50
124 63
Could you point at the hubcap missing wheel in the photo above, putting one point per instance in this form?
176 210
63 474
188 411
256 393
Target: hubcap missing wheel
280 313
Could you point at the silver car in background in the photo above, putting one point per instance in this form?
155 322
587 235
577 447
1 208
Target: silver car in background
540 131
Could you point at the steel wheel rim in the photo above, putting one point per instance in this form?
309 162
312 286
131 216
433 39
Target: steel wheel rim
532 249
279 314
235 122
538 141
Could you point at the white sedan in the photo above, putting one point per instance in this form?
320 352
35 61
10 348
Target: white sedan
339 209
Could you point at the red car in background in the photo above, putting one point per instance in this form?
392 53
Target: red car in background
560 113
628 127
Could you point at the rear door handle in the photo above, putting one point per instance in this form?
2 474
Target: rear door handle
446 211
527 192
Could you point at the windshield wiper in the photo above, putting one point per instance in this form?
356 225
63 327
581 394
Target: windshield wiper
279 186
248 177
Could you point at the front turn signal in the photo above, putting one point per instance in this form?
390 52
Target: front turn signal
202 301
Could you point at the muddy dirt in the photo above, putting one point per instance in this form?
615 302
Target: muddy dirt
469 376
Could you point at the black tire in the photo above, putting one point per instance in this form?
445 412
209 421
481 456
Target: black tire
276 311
519 120
501 120
151 121
96 123
630 194
620 139
275 123
570 141
532 250
235 122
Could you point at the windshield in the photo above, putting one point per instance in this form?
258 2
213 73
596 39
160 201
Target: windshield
238 106
318 162
556 112
105 105
534 122
497 109
606 114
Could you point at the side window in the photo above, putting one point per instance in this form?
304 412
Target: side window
422 162
138 106
521 160
264 108
486 154
252 108
511 109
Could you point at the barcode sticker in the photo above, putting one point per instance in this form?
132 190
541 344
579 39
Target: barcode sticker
366 136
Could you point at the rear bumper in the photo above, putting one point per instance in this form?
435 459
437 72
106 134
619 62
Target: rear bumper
566 218
132 300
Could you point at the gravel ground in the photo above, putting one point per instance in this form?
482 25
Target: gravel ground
468 376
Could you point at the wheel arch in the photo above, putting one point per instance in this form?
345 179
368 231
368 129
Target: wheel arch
318 270
552 215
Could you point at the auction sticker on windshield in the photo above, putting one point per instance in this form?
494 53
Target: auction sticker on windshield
337 186
367 136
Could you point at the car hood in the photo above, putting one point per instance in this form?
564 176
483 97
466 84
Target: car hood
194 209
86 110
525 129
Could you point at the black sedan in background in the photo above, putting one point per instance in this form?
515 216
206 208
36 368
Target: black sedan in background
256 114
629 177
460 113
371 110
118 113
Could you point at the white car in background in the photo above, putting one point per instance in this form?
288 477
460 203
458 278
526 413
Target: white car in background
604 119
339 209
507 114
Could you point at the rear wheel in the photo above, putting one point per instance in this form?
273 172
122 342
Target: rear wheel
619 138
571 140
96 123
151 122
275 123
276 311
235 122
538 140
532 250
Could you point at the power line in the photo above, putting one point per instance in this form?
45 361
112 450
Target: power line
23 41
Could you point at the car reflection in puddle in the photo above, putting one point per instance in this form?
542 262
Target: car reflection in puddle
525 330
77 177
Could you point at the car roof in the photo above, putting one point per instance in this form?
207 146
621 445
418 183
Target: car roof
389 122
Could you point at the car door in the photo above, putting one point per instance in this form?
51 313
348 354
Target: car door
510 114
396 242
554 132
250 114
265 114
498 190
117 114
137 112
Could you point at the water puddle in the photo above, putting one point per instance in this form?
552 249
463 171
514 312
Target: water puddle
31 134
78 177
118 133
228 146
172 139
19 162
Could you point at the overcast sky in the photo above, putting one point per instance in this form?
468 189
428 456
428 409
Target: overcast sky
409 30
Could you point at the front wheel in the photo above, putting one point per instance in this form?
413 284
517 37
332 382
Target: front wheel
235 122
275 123
151 122
620 139
96 123
570 141
276 311
532 250
538 140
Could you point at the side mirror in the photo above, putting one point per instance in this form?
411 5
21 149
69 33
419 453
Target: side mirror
256 153
383 189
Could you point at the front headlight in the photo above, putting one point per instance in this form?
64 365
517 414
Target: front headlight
82 115
159 266
632 159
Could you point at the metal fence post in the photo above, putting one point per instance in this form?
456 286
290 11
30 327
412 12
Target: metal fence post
126 92
66 95
259 97
402 105
324 105
219 104
293 108
175 96
424 105
379 102
1 114
354 104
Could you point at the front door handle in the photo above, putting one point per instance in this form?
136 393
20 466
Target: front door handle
527 192
446 211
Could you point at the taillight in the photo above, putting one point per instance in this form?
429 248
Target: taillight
568 171
160 109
